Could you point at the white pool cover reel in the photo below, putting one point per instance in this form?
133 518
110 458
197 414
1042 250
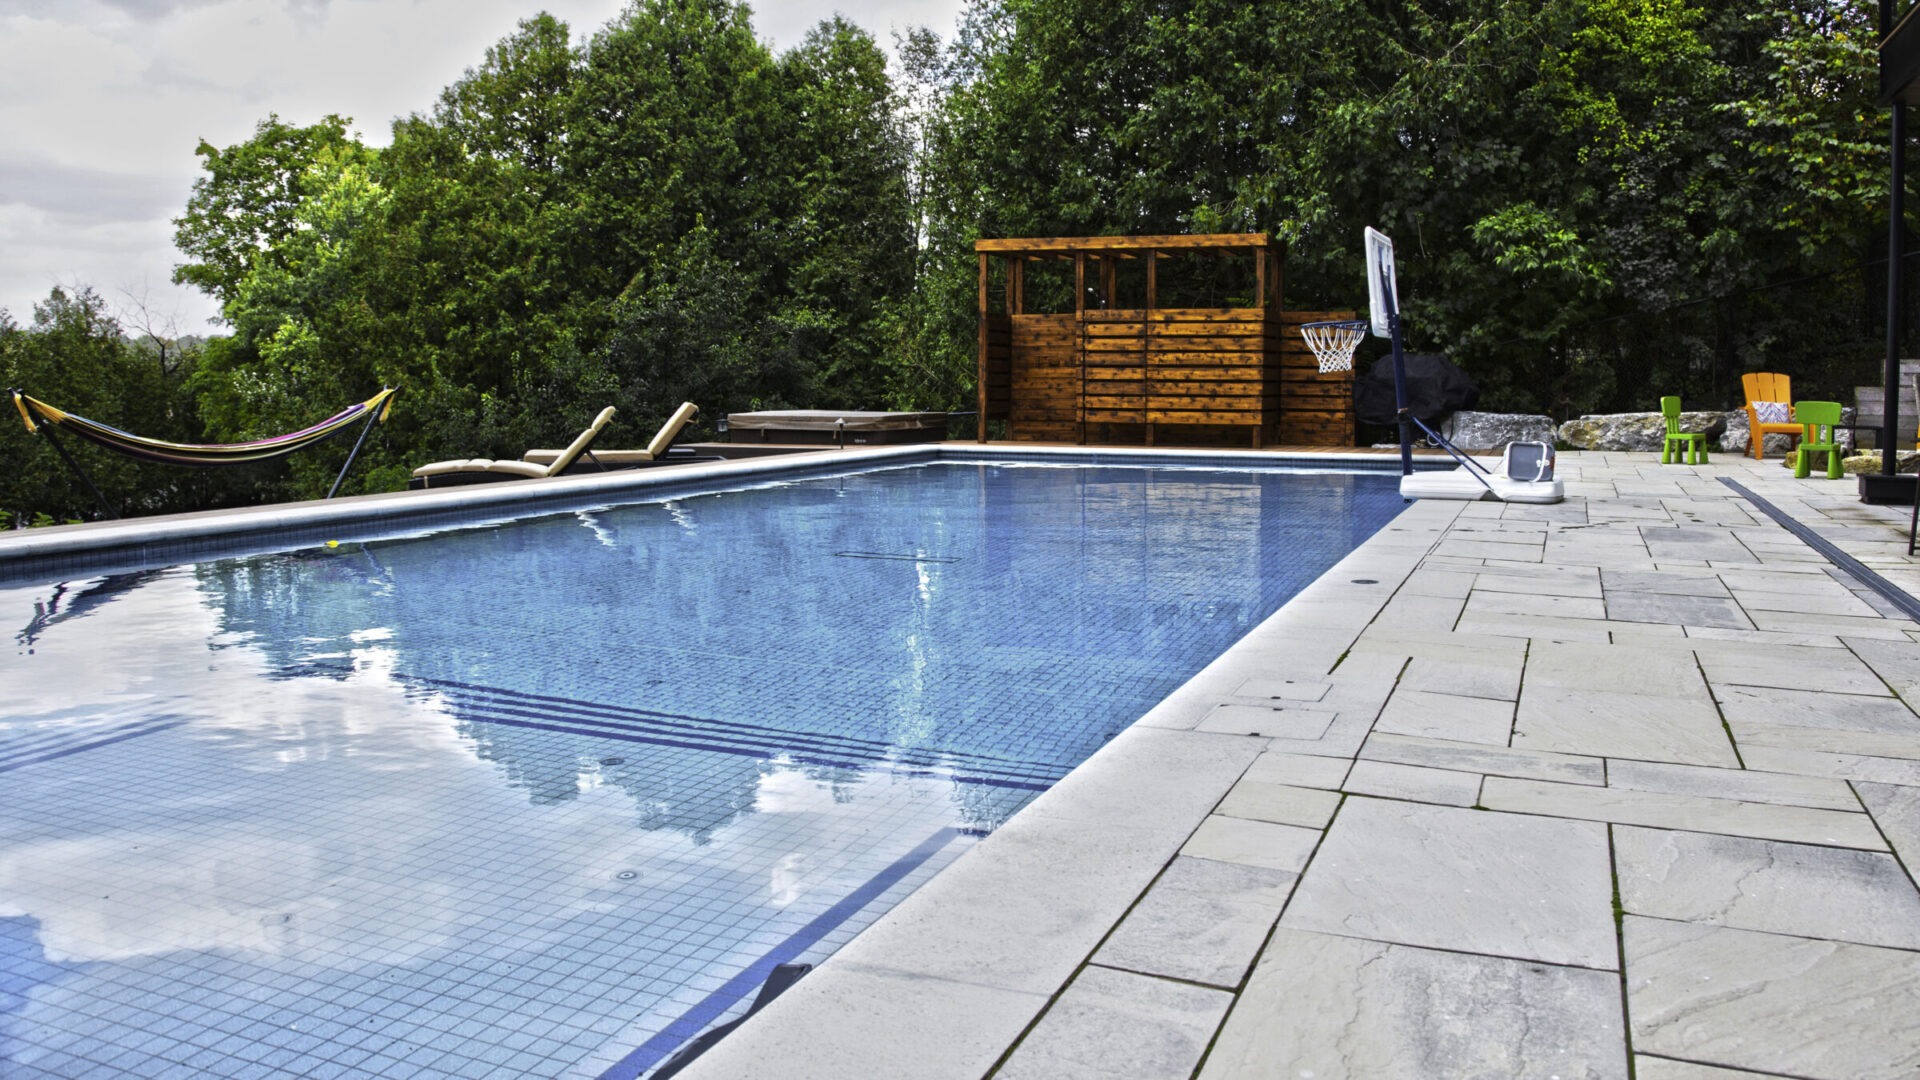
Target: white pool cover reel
1524 475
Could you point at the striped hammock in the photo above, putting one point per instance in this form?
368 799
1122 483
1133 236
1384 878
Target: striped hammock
36 412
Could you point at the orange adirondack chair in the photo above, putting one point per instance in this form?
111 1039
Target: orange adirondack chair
1765 387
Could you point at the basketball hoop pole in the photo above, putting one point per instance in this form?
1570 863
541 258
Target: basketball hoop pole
1399 376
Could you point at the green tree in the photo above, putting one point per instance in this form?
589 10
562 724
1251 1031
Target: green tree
76 357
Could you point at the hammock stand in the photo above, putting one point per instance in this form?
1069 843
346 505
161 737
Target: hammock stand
42 418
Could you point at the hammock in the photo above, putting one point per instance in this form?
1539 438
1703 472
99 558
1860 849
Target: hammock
44 418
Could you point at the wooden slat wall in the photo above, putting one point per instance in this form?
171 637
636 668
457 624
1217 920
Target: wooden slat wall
1044 366
1211 367
1109 372
1116 370
1316 408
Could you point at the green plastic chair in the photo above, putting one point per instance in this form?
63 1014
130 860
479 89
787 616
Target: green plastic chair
1817 420
1691 445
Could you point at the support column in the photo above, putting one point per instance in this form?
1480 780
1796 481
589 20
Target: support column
1896 282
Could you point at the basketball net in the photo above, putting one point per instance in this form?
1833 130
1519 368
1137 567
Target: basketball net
1333 343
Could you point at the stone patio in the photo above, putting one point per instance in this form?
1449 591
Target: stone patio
1628 785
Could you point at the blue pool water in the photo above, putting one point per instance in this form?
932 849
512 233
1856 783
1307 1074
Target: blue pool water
549 797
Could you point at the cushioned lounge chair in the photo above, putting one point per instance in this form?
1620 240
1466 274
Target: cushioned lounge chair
656 452
481 470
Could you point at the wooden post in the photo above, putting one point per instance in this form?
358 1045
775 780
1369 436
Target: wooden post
980 417
1146 343
1017 286
1080 338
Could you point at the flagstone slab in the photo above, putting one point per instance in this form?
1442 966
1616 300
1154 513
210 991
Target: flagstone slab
1669 582
1299 770
1894 662
1447 716
1766 821
1629 725
1288 721
1789 667
1873 626
1115 1025
1648 1067
1486 602
1826 740
1742 785
1252 843
1799 889
1896 810
1836 599
1877 770
1332 1007
1651 607
1442 877
1464 757
1202 921
1496 679
1413 783
1280 803
1545 582
1808 708
1798 1006
1691 542
1667 672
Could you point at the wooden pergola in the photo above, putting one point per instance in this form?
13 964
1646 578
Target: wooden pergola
1110 374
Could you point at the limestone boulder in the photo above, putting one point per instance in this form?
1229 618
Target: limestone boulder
1478 431
1636 431
1870 462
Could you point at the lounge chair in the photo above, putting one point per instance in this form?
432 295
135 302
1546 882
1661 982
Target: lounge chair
481 470
656 453
1768 409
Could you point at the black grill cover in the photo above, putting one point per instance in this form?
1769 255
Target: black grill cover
1435 388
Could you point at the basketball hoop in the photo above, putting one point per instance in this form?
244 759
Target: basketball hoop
1333 342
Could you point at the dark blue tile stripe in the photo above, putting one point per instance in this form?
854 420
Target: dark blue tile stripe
715 1005
844 762
493 705
874 747
131 731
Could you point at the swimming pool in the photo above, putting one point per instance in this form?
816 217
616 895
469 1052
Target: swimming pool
549 797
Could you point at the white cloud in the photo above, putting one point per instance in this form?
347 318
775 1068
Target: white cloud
102 103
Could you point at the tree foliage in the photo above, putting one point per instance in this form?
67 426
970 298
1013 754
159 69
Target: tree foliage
1594 202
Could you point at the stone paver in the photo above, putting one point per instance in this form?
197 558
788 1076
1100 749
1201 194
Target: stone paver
1528 888
1767 821
1327 1007
1252 843
1447 716
1282 804
1798 889
1115 1024
1772 1003
1389 780
1203 921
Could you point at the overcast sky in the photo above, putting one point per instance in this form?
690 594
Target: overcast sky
103 101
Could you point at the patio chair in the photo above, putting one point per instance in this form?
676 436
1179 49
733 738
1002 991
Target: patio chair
656 453
1768 411
1818 419
481 470
1690 444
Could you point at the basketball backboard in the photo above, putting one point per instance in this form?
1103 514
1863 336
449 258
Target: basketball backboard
1382 290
